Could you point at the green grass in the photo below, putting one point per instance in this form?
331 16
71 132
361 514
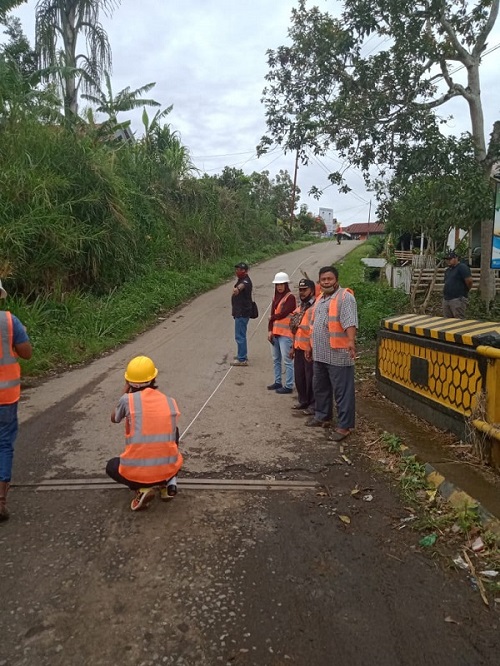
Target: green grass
376 300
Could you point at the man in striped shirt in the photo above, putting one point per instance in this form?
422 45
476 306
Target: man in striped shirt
333 350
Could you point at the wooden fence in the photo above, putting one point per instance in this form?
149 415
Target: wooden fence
421 279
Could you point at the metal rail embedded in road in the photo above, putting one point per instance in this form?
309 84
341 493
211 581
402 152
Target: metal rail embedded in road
101 483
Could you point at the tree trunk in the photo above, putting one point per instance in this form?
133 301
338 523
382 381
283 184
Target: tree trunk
69 40
487 278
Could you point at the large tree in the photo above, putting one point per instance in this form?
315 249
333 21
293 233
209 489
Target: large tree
21 94
434 189
368 83
59 24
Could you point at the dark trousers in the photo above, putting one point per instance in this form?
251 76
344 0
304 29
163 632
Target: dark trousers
303 378
112 471
334 383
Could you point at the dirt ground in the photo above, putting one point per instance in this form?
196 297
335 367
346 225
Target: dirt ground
303 575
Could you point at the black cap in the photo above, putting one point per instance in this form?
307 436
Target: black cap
451 255
306 284
242 265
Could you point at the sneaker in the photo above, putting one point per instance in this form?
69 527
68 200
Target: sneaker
168 492
314 423
239 363
142 498
283 390
299 407
273 387
309 411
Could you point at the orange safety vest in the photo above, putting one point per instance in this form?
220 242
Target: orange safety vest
303 333
151 454
10 370
282 326
338 337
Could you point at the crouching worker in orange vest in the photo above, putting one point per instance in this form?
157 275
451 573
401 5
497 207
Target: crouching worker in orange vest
151 458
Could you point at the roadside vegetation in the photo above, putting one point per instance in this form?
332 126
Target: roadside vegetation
103 229
375 299
455 533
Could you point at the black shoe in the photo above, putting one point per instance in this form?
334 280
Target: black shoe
299 407
273 387
283 390
167 492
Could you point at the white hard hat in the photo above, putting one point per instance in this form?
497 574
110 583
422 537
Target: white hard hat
281 278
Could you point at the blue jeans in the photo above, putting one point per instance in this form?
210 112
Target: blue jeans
8 433
281 352
240 335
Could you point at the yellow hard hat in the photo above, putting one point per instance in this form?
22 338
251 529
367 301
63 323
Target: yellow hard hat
140 370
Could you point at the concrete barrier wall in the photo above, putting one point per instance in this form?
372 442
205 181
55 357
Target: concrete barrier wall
446 371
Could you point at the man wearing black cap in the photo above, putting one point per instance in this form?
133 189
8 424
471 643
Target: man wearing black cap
457 284
241 302
299 325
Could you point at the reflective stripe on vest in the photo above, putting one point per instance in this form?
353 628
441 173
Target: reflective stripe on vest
151 454
10 370
282 326
303 334
338 337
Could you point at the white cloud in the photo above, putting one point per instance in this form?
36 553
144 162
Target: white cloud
208 59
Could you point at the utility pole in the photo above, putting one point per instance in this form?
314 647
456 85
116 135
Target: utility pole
292 211
369 215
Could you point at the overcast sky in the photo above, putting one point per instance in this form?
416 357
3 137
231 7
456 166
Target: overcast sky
208 59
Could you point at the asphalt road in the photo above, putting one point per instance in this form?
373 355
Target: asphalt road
242 576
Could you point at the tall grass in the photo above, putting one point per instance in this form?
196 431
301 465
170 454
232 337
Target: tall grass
79 214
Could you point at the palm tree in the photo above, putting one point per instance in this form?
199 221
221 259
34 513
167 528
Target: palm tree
6 6
125 100
63 21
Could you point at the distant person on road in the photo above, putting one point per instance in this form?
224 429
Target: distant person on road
457 284
334 324
151 457
14 342
300 327
338 233
241 303
279 334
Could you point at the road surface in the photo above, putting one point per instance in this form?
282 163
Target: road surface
266 573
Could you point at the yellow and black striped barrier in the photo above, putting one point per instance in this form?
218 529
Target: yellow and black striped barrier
446 371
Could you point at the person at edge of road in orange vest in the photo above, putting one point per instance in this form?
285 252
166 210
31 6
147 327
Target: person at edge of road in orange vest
332 346
151 458
279 334
14 342
303 369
